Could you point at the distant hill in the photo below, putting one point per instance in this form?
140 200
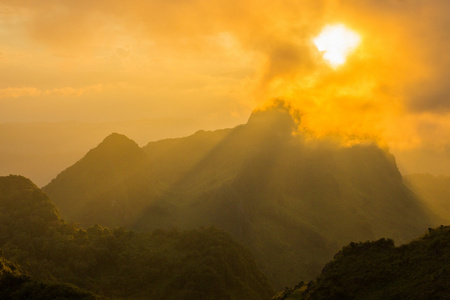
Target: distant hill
379 270
435 190
165 264
293 201
40 150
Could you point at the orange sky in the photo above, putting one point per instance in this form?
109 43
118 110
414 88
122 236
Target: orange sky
217 60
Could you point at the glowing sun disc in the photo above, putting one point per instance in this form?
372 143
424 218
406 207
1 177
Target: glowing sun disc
336 42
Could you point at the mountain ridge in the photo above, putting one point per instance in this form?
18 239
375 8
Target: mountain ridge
287 198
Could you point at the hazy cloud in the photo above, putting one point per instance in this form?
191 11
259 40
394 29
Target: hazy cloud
215 56
35 92
19 92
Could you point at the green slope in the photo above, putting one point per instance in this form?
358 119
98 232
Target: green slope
199 264
379 270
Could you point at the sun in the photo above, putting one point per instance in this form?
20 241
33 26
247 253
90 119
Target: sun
336 42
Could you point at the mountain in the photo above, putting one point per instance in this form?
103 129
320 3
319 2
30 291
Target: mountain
379 270
107 186
204 263
292 200
434 190
56 145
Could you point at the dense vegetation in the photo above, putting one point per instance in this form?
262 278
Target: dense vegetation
379 270
16 284
292 201
198 264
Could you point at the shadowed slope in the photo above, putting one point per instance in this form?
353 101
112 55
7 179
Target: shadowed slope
378 270
16 284
205 263
293 202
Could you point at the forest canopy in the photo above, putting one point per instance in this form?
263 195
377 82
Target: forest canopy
199 264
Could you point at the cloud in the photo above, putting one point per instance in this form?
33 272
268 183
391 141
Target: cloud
261 50
426 44
432 96
399 72
72 92
13 92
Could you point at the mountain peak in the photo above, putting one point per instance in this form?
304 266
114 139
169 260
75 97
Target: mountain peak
116 147
277 118
113 164
116 139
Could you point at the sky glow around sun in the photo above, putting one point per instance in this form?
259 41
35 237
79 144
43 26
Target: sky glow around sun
336 42
356 69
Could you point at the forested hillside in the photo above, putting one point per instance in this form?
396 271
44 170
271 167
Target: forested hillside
16 284
199 264
292 200
379 270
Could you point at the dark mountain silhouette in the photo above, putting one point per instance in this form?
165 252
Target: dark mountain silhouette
203 263
379 270
292 200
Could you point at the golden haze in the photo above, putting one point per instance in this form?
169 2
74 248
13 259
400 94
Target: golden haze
217 60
